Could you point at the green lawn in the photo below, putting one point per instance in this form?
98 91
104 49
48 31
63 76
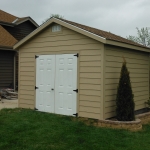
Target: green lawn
22 129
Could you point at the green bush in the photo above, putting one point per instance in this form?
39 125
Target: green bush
125 98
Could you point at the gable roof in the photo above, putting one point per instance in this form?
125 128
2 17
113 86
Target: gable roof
21 20
9 19
100 35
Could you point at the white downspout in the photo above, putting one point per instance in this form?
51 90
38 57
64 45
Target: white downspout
15 72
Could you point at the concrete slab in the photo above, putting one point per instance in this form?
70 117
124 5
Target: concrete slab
4 103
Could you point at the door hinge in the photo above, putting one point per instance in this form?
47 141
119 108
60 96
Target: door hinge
36 88
36 56
35 108
77 55
76 114
76 90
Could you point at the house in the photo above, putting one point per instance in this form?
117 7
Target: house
12 30
72 69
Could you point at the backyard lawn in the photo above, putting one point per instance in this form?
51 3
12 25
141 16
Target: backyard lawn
22 129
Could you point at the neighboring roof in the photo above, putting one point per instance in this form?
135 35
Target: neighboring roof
21 20
11 20
102 36
6 17
6 39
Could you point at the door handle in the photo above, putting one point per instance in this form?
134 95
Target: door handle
52 89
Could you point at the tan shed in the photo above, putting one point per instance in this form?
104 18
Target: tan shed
72 69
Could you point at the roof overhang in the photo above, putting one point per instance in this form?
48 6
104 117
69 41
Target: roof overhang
19 22
6 48
120 44
27 19
7 24
67 25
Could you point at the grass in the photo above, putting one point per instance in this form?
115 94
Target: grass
22 129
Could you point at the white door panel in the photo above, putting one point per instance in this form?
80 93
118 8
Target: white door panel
65 83
45 82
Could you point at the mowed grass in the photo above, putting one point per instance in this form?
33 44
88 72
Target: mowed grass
23 129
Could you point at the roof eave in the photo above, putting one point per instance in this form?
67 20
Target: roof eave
7 24
115 43
28 19
10 48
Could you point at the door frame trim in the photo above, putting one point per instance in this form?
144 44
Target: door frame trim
78 66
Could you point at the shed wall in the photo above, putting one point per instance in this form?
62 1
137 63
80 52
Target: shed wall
138 66
89 68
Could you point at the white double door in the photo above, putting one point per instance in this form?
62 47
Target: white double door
56 78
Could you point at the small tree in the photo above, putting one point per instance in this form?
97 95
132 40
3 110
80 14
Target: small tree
54 15
124 100
143 37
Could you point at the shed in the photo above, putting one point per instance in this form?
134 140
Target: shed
72 69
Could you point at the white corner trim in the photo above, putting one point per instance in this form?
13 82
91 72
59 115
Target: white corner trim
15 20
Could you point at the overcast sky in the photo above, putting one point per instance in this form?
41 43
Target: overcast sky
120 17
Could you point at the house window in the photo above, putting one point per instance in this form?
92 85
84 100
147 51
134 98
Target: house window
56 28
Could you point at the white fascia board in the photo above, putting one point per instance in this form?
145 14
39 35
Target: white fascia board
81 29
28 19
15 20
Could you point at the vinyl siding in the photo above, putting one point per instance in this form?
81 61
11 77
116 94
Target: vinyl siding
138 66
89 67
6 68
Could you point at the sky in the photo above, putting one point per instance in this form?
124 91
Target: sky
120 17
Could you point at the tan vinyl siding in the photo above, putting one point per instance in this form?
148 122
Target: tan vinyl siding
149 75
89 67
138 66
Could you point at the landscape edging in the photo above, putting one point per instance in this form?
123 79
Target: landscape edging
136 125
145 117
130 125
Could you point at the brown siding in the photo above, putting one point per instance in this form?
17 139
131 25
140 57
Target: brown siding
138 66
6 68
89 67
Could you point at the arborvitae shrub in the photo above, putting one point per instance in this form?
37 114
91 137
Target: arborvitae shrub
125 98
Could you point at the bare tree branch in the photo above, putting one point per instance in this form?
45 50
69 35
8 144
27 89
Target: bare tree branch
143 37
